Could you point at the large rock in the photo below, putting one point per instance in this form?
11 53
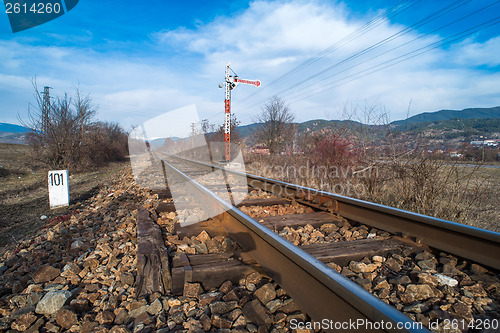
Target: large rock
360 267
476 269
193 325
226 287
424 256
52 302
24 300
24 322
222 307
256 313
208 298
127 278
274 305
462 311
205 322
203 236
80 305
417 292
66 318
138 311
155 307
393 265
105 317
265 293
121 316
254 277
475 290
45 274
426 278
220 322
427 265
192 289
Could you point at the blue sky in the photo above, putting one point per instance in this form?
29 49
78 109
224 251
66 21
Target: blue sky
138 60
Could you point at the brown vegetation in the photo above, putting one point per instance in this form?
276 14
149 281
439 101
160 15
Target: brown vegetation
275 125
65 134
340 160
436 188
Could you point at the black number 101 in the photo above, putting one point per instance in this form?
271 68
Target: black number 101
56 179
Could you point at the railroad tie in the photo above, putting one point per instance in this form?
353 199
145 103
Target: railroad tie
153 270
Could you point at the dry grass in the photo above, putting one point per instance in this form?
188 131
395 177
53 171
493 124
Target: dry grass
441 189
24 197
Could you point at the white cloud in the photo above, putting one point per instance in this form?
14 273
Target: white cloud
471 53
262 42
271 38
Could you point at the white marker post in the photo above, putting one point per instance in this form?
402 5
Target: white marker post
58 188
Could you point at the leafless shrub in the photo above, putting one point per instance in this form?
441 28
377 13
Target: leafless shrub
398 175
64 134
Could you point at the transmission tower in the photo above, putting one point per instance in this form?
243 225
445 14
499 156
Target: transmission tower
45 110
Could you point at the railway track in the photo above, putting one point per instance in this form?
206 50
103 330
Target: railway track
364 238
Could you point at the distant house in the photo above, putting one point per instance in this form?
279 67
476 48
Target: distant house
260 150
456 155
489 143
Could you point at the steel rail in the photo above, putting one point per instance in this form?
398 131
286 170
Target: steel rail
327 296
479 245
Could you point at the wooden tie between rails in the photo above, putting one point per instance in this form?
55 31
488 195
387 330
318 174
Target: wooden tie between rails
316 220
167 207
210 270
342 253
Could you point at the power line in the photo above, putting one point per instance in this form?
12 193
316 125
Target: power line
406 56
373 23
400 33
455 5
370 25
404 44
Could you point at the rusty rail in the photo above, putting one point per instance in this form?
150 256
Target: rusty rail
479 245
318 290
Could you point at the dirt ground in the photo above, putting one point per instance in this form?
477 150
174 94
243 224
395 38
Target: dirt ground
24 194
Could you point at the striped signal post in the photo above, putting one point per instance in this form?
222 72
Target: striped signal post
231 81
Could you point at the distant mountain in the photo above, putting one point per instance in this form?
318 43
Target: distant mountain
10 133
307 126
11 128
478 120
472 113
246 130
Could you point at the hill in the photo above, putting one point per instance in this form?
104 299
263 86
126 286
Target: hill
10 133
471 113
11 128
479 120
307 126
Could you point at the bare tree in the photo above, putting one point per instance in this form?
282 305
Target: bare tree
64 134
275 125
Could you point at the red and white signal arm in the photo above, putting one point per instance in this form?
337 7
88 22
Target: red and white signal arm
252 82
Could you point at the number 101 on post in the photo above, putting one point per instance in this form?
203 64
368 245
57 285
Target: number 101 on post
58 188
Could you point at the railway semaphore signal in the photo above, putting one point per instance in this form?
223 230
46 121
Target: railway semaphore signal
231 82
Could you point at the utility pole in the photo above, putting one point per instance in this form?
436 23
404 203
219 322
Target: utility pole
231 81
45 110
